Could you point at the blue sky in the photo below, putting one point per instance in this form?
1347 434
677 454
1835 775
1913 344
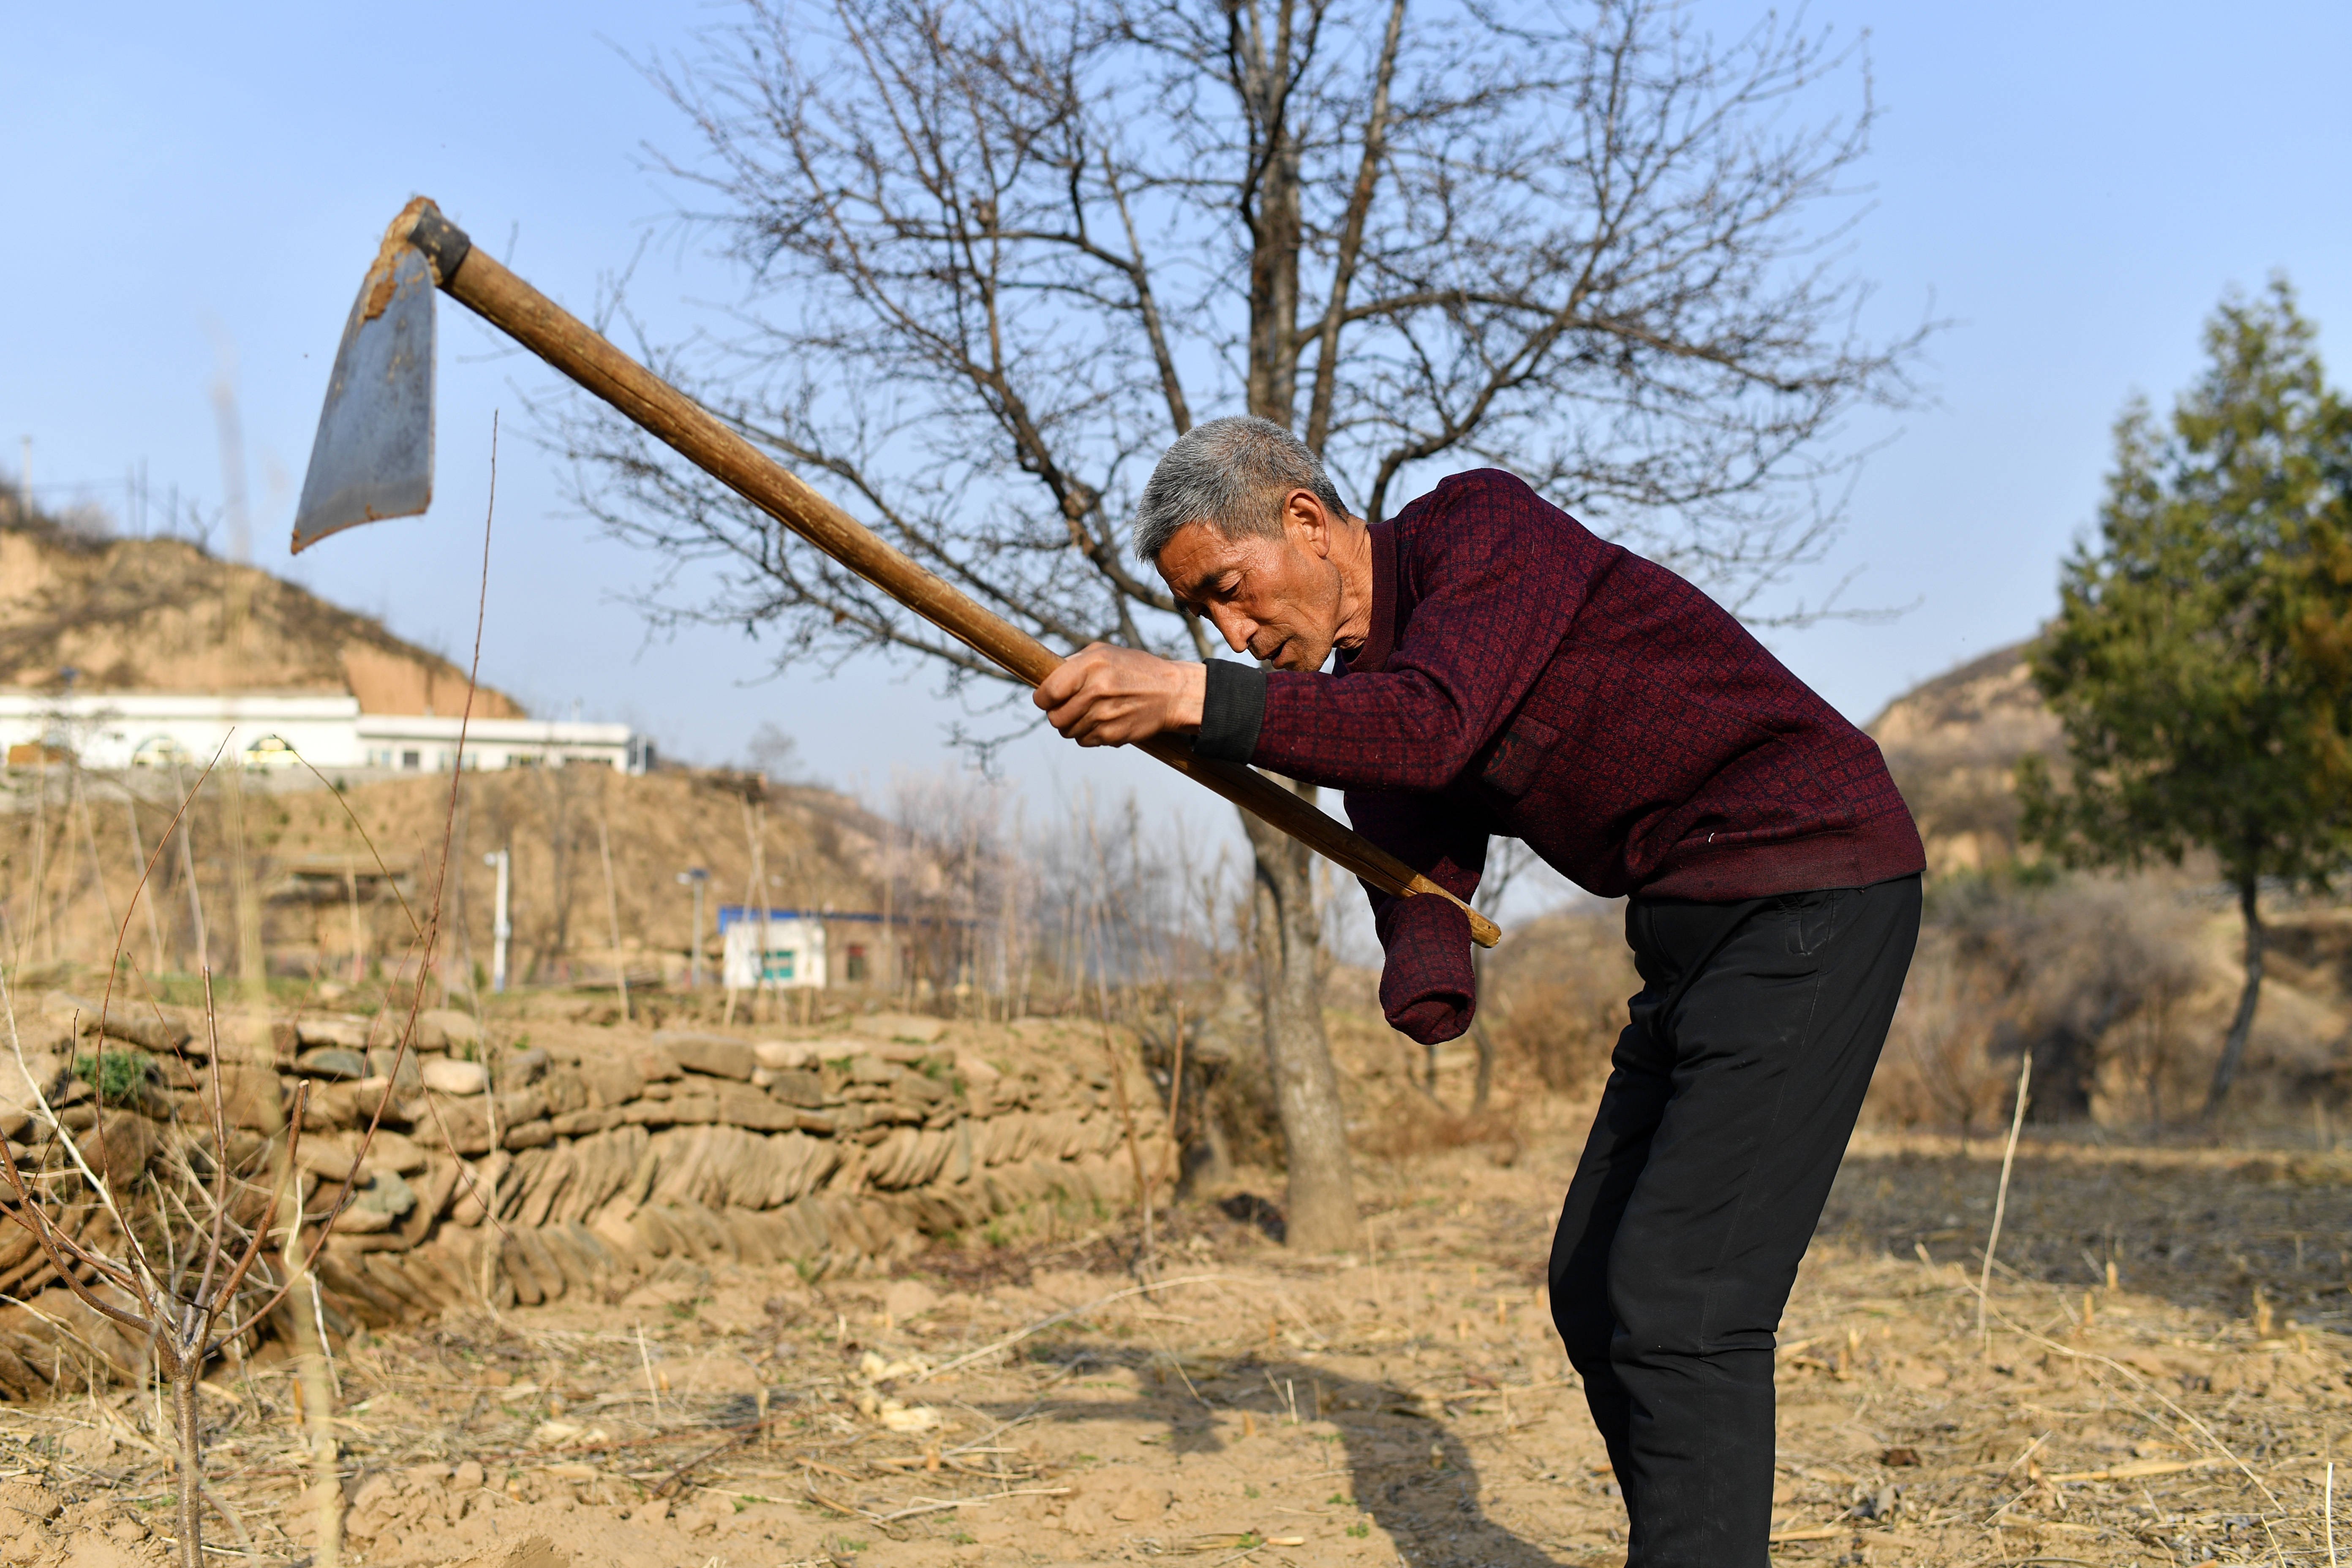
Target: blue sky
2072 187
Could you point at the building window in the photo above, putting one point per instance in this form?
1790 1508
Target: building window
270 752
780 966
411 759
856 962
160 751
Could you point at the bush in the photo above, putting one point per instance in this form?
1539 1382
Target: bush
1555 998
2095 977
116 1075
1563 1029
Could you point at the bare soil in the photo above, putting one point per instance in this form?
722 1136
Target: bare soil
1226 1401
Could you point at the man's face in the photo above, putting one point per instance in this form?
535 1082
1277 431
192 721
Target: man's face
1274 599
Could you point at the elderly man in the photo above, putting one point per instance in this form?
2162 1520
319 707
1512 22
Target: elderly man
1501 671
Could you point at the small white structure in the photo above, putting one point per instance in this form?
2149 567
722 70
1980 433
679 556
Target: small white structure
273 729
795 956
406 740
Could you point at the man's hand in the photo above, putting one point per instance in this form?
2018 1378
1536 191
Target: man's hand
1105 696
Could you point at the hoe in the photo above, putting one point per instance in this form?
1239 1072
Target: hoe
374 459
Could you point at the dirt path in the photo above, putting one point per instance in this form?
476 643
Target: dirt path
1407 1406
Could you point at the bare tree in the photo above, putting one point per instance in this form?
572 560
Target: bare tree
169 1269
959 884
999 253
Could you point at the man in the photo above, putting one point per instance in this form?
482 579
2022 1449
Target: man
1501 671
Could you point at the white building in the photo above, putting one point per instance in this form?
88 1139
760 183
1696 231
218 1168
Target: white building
107 729
795 956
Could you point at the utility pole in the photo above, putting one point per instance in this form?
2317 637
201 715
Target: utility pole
695 878
501 928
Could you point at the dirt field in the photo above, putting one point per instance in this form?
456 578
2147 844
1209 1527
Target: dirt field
1409 1405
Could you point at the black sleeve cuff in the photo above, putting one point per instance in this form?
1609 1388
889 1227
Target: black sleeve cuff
1232 711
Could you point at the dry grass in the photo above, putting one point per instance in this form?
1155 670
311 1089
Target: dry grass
1413 1132
1407 1405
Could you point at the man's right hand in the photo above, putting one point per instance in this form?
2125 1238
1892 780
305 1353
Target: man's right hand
1106 696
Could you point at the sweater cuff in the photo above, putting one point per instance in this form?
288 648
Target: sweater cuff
1429 986
1232 711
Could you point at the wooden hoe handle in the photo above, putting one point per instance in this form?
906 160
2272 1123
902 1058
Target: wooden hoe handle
563 340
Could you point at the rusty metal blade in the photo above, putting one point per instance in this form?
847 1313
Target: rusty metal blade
372 457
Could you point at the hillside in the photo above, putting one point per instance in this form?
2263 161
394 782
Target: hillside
163 615
1953 744
819 850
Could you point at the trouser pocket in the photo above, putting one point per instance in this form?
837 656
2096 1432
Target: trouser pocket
1811 920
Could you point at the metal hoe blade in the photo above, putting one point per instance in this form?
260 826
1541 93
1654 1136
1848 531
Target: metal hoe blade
373 455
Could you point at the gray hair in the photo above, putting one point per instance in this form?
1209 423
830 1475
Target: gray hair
1232 474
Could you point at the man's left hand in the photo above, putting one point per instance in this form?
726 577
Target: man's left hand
1106 696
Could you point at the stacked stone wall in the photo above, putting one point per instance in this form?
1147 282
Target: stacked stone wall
580 1170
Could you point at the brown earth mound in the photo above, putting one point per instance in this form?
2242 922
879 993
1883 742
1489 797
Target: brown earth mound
333 899
161 615
1953 745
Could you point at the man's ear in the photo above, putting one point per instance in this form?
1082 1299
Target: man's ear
1303 511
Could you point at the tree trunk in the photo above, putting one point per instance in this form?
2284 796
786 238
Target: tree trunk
1319 1209
1271 206
2233 1049
189 1428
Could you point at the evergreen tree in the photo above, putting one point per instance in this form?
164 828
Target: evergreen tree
2201 659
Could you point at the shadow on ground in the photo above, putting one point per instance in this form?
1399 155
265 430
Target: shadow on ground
1413 1475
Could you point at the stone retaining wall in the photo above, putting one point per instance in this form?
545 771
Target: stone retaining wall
597 1167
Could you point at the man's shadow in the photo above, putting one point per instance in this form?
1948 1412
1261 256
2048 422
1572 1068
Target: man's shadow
1413 1474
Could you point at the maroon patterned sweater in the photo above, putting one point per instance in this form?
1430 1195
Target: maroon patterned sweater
1525 678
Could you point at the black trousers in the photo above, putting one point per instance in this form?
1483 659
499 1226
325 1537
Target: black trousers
1731 1098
